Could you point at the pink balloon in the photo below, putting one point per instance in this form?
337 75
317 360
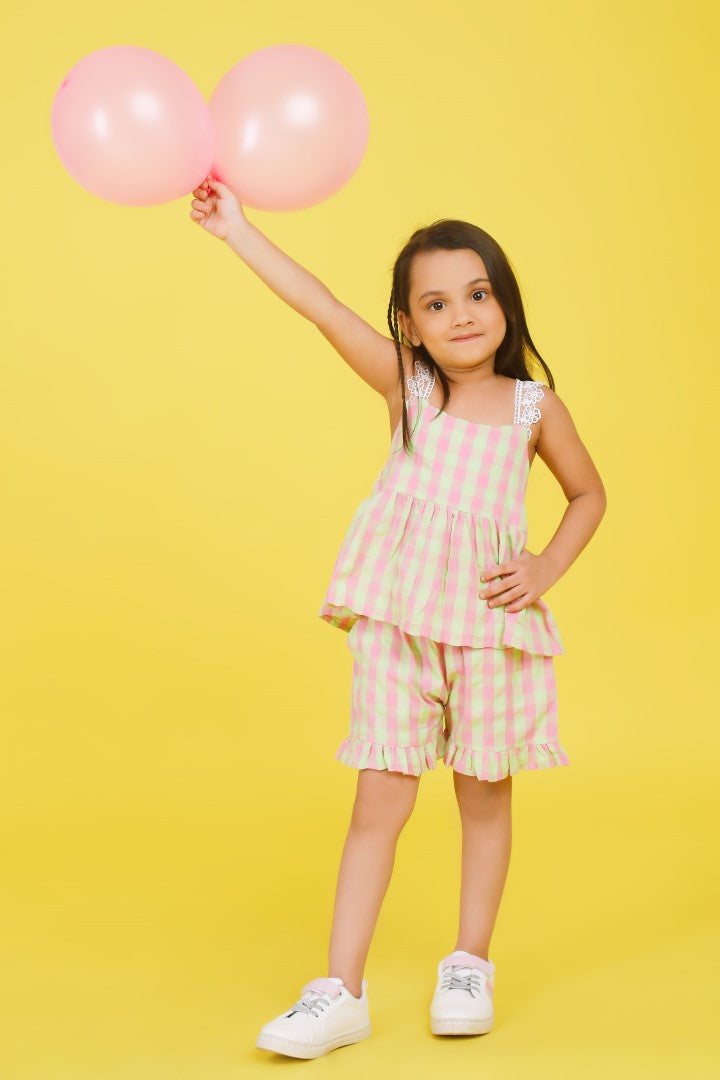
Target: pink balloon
131 127
291 127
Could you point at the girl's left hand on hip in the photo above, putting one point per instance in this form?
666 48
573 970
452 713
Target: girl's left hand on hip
524 580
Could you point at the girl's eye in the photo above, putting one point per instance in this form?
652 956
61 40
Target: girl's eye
478 292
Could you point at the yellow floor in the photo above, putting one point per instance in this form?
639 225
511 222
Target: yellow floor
147 949
78 1015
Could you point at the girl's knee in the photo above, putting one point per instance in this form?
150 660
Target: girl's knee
474 795
384 798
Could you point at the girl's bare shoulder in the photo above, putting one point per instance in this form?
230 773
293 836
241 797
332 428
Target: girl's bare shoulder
562 449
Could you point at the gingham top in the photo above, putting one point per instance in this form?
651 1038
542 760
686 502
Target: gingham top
434 520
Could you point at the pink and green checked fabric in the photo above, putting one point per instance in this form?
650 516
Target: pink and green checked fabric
486 712
434 520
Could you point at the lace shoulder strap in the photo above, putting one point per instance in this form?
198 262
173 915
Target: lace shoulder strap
421 383
527 394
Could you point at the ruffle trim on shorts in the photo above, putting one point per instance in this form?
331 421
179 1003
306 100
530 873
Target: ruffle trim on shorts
484 764
405 759
497 764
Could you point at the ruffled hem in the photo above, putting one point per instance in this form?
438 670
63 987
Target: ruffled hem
418 564
484 764
413 760
532 631
497 764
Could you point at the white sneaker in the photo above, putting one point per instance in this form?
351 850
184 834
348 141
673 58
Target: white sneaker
325 1016
463 1000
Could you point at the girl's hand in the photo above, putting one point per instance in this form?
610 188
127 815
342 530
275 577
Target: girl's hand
525 579
216 208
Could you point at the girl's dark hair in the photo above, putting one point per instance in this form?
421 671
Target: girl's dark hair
516 351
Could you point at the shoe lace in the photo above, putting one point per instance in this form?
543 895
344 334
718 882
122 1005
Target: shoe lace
312 1001
472 981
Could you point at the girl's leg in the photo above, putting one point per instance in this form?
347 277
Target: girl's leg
383 804
486 817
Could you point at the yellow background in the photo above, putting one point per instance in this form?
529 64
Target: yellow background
181 455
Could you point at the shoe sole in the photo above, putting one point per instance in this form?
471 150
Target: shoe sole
460 1027
300 1050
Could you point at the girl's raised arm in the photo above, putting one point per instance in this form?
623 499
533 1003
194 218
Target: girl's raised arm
370 354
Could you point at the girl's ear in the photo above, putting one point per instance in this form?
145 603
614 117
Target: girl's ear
408 328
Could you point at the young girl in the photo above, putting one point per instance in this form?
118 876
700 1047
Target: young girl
452 644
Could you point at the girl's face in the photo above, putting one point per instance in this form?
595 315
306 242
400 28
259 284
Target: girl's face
461 304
